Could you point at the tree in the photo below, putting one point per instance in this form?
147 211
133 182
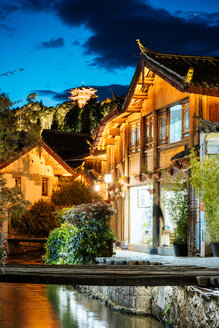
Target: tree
72 119
55 122
37 221
31 97
74 192
109 104
12 201
90 116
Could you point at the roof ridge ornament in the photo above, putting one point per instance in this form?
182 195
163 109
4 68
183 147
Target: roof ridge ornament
189 76
141 46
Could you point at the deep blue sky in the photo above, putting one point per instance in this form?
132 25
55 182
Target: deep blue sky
62 43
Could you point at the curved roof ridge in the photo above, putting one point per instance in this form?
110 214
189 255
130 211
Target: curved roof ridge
144 49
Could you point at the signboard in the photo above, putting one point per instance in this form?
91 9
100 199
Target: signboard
212 147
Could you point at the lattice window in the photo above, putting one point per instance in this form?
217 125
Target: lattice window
135 137
185 120
163 127
149 131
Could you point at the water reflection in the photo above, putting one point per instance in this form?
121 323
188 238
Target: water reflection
41 306
26 306
77 310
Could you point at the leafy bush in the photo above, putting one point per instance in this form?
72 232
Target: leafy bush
60 213
87 235
38 220
57 242
2 248
81 214
74 193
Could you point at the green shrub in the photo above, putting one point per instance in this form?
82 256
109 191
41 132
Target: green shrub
38 220
60 213
81 214
88 237
57 242
74 193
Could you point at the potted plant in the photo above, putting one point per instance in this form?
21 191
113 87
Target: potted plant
177 208
204 177
146 175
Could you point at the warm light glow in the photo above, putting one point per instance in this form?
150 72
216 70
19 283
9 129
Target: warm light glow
97 187
108 178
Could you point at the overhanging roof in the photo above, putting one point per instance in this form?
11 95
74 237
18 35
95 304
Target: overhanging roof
193 74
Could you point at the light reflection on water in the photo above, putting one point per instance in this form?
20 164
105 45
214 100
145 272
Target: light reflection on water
52 306
42 306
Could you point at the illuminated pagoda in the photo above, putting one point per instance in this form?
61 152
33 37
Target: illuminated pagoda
82 95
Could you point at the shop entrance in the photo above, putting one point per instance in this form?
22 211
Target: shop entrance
141 217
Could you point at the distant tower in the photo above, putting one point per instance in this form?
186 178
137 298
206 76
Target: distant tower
82 94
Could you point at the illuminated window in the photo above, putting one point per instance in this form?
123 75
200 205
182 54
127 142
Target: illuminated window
149 131
18 183
174 123
45 186
135 137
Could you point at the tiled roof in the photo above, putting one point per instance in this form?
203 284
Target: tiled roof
67 144
195 74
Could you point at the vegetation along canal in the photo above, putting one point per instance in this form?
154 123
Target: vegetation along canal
51 306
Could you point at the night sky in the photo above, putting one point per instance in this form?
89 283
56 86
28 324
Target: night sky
64 43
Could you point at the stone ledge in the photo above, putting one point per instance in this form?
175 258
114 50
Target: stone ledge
117 261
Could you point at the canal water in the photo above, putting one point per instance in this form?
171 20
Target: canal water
52 306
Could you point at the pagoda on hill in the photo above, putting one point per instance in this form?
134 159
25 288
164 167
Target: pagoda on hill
82 95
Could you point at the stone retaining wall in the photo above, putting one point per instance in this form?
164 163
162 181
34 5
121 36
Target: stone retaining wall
178 307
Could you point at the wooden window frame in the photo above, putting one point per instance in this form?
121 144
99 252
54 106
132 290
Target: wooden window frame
45 186
185 111
165 112
149 132
136 130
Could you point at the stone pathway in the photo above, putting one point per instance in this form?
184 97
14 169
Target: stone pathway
210 262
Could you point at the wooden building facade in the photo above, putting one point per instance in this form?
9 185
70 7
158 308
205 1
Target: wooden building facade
150 137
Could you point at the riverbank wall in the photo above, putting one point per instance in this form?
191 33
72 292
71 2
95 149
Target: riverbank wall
178 307
174 306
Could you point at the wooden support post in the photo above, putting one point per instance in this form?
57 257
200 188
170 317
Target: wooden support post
156 217
156 225
142 143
